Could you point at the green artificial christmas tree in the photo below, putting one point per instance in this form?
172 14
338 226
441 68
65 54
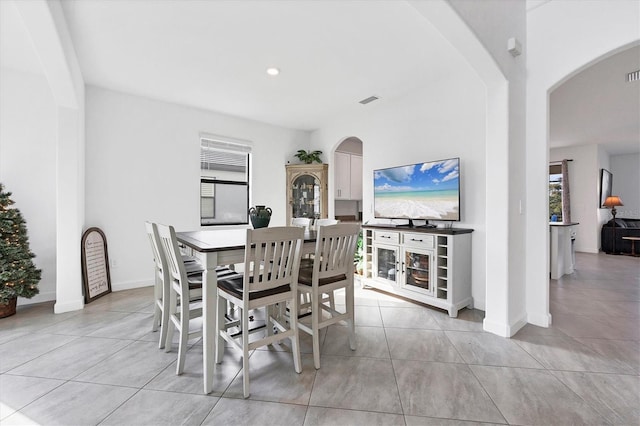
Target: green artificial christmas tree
18 274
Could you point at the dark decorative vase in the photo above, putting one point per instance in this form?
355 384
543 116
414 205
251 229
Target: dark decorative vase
8 309
260 216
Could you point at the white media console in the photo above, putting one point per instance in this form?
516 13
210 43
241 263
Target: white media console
428 265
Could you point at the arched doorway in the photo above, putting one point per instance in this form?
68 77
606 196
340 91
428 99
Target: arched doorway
347 174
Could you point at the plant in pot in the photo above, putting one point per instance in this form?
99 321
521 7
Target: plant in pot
358 258
309 157
18 274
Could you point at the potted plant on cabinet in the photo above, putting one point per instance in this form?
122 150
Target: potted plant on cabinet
309 157
18 274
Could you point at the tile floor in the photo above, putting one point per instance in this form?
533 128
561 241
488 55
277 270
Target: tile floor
414 365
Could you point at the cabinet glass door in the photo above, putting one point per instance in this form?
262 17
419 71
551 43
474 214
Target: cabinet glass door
306 197
386 263
417 274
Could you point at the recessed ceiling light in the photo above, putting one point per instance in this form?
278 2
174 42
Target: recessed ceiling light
273 71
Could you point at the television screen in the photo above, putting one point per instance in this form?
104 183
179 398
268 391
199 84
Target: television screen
418 191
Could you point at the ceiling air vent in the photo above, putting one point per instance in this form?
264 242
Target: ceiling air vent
633 76
369 100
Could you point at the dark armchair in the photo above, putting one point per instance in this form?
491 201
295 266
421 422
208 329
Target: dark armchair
623 228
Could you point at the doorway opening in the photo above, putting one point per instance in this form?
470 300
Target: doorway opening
348 180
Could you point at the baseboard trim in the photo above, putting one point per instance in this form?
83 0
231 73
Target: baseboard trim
75 305
129 285
541 320
502 329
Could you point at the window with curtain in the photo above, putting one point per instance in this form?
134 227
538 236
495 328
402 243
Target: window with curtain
559 196
555 192
224 181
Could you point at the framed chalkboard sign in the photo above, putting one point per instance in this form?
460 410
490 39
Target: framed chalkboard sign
95 265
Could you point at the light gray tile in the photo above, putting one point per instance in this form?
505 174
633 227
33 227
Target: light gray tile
421 345
391 300
420 318
467 320
624 351
432 421
534 330
601 327
557 353
361 296
527 396
133 326
17 352
247 412
66 362
162 408
368 316
72 403
321 416
85 323
356 383
135 366
371 342
615 397
191 380
443 390
18 391
489 349
272 377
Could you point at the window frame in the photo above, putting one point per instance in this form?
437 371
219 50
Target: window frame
230 145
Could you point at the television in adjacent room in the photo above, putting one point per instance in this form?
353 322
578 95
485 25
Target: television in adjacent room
421 191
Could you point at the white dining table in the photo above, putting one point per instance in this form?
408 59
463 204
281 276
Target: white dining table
215 248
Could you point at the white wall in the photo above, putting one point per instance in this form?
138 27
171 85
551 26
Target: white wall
28 165
563 37
428 124
584 183
143 163
626 183
494 22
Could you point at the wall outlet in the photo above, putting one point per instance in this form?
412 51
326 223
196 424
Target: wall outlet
114 264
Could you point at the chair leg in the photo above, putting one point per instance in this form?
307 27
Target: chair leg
164 326
157 318
173 303
269 312
156 311
351 323
220 326
245 353
184 336
315 320
295 339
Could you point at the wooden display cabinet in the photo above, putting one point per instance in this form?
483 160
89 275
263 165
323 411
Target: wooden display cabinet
307 187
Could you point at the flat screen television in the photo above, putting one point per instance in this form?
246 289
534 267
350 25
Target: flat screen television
424 191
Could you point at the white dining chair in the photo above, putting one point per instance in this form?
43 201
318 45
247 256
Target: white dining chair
161 278
332 270
185 295
278 250
324 222
182 291
193 268
304 222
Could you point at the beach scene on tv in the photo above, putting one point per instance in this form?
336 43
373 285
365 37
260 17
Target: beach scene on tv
418 191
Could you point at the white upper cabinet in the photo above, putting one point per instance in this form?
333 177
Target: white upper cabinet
348 176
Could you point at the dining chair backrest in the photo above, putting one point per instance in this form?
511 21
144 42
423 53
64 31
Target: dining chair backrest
324 222
169 243
278 251
158 255
304 222
334 252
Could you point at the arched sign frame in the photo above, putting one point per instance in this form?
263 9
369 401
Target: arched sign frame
95 264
